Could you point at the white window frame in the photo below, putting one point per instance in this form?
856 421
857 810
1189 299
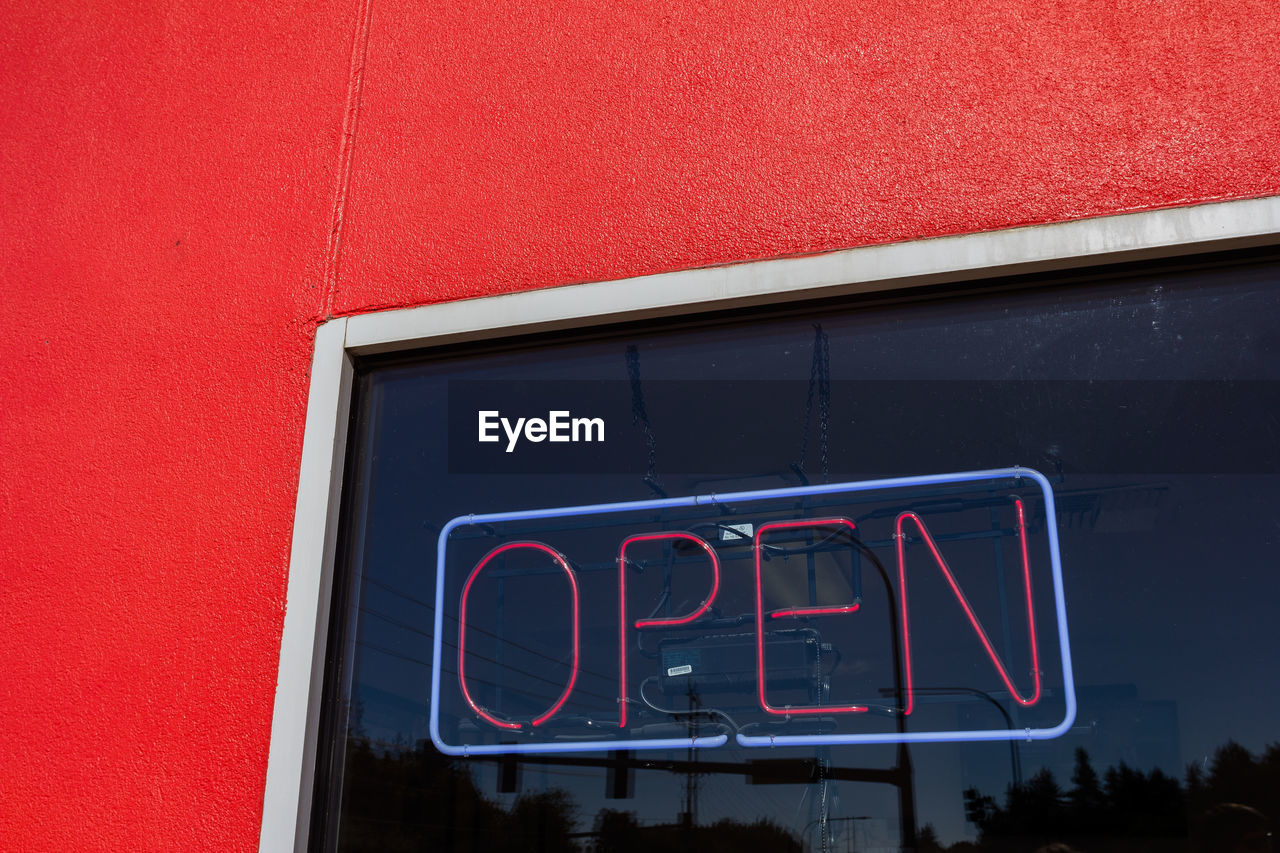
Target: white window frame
1146 235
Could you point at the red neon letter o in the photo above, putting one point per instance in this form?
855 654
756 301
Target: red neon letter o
462 635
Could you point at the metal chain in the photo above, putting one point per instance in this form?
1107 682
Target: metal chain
819 386
808 411
823 826
639 415
823 829
824 398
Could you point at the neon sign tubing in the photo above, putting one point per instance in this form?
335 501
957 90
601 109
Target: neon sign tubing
1060 609
814 611
1060 613
761 684
715 575
974 621
852 607
654 623
462 635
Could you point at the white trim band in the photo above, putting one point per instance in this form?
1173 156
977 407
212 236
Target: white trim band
296 716
1035 248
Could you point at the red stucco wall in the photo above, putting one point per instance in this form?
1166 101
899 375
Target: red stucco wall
190 188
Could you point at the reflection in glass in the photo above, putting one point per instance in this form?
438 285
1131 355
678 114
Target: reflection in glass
1147 397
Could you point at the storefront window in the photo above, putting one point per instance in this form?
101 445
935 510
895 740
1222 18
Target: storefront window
1073 645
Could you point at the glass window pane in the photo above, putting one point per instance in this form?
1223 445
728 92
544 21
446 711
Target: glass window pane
1148 398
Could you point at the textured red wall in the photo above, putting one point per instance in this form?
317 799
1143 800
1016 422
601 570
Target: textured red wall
169 178
191 187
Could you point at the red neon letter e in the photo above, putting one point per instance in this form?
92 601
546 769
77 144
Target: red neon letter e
794 612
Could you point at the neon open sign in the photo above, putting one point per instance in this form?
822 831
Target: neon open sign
898 610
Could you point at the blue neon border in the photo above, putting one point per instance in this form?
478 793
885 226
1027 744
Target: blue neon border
1060 606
